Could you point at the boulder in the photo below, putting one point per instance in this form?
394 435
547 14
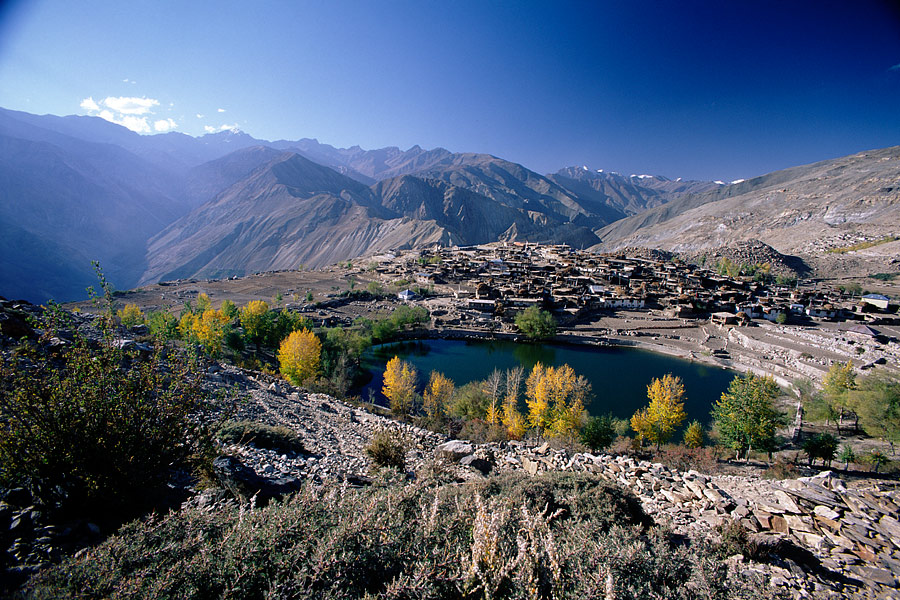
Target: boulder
454 450
244 483
479 464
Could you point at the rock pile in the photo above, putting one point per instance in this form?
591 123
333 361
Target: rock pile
843 541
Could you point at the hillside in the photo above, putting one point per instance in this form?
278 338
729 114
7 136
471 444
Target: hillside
801 211
78 189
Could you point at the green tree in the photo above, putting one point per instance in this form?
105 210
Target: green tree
536 324
836 385
665 412
847 455
163 325
745 415
599 432
821 445
229 309
877 402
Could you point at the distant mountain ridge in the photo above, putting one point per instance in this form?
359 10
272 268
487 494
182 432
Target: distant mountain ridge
151 207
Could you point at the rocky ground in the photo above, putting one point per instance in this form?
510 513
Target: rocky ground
814 537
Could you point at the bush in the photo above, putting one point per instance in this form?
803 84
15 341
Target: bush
98 428
280 439
599 432
424 540
782 470
821 445
387 449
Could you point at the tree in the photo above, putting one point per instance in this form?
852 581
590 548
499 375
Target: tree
203 303
745 415
536 324
556 398
131 315
256 321
821 445
437 396
512 419
299 356
847 455
877 402
493 387
659 420
399 385
229 309
838 381
210 328
599 432
693 435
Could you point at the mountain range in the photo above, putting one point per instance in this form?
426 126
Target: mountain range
157 207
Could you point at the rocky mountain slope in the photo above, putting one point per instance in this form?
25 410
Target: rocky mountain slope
80 188
802 211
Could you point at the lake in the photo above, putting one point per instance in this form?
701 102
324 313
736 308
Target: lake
619 376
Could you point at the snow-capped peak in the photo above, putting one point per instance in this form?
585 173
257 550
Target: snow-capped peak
737 181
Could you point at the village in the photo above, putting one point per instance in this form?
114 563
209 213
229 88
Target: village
791 330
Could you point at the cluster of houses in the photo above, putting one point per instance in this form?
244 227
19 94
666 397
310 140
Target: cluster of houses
501 279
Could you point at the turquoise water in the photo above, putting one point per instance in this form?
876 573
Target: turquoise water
619 376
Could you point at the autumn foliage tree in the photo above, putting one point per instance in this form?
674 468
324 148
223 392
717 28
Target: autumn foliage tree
556 398
399 385
512 418
299 356
437 396
658 420
256 321
131 315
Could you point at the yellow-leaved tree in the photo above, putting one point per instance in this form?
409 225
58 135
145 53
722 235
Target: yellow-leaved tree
537 397
256 321
299 356
399 385
512 419
437 396
659 419
210 328
131 315
556 398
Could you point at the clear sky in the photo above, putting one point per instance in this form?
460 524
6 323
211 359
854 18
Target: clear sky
722 89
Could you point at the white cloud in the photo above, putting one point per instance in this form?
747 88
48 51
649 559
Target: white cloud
232 128
164 125
199 116
89 104
136 124
221 110
130 105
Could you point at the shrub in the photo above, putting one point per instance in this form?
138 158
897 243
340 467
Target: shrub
599 432
99 427
781 470
131 315
280 439
387 449
821 445
556 536
693 435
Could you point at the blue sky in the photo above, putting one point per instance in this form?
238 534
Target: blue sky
706 90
